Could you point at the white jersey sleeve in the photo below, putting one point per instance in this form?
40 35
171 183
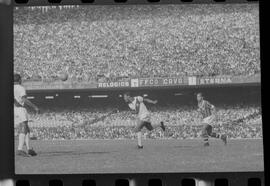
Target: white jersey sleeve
132 106
19 93
140 99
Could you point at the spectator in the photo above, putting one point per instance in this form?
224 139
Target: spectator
108 43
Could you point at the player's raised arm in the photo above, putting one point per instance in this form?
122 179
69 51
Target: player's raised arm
212 107
30 104
150 101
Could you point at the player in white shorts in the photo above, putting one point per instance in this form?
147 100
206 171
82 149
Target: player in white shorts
144 119
21 117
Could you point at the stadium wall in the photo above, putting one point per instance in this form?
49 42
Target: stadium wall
138 83
166 96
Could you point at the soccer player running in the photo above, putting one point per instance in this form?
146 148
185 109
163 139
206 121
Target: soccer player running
21 117
208 112
144 119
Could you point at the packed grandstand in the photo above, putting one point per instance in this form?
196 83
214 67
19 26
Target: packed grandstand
91 43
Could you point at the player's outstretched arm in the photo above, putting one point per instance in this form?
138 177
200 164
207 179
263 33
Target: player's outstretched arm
150 101
213 108
30 104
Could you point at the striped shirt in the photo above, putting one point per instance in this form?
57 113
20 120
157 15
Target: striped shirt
205 108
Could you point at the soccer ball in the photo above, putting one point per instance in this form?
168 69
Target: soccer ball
63 76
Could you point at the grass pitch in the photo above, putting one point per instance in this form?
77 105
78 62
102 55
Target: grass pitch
157 156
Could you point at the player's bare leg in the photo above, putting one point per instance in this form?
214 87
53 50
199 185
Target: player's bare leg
21 141
205 136
149 127
20 151
140 125
209 131
159 124
22 134
223 137
139 137
30 151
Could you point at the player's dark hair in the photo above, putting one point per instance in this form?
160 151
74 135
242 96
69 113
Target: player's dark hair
200 94
127 94
17 78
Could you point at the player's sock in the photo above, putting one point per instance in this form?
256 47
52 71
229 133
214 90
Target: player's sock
215 135
139 136
223 137
162 126
206 142
21 141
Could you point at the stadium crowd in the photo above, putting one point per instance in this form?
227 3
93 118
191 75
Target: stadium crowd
101 43
184 122
126 132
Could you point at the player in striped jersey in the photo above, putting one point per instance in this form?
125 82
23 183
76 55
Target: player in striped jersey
144 118
208 111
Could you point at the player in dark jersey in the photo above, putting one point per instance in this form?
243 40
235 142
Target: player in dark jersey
207 111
